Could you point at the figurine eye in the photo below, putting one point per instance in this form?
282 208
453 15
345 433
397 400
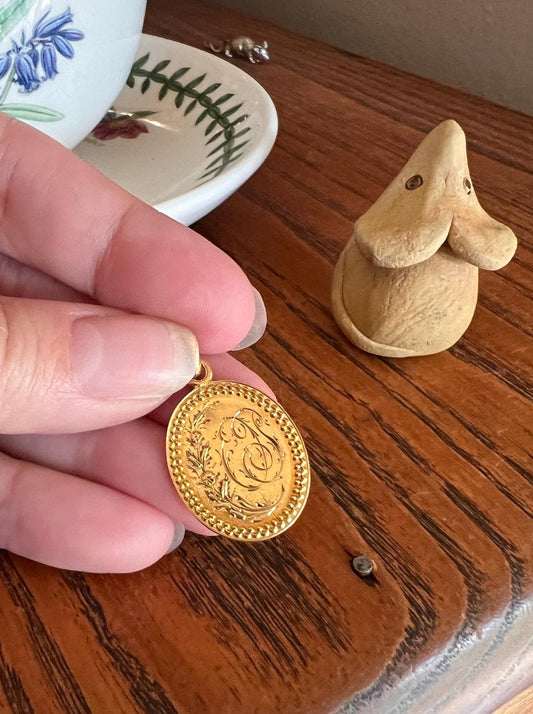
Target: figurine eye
414 182
468 185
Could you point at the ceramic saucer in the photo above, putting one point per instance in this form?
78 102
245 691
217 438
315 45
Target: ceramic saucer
185 132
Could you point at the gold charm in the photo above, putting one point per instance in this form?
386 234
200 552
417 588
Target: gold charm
237 460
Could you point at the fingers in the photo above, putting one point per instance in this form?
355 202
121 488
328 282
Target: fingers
19 280
71 523
70 367
61 216
225 367
130 457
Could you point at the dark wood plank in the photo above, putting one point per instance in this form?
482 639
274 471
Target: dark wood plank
422 464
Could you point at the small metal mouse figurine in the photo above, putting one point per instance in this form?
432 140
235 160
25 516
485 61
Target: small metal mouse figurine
243 47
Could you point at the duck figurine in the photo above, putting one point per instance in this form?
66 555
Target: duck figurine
406 283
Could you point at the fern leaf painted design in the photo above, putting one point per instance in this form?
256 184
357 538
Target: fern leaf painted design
225 125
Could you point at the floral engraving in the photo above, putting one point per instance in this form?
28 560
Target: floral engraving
198 454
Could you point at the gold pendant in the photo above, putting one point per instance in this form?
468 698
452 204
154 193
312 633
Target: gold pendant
237 459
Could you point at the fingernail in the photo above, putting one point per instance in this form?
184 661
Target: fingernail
131 356
258 326
179 534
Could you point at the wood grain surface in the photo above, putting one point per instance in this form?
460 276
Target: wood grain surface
521 704
422 464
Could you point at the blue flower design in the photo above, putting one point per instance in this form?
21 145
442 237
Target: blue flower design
26 74
63 46
46 27
49 61
34 55
5 64
34 60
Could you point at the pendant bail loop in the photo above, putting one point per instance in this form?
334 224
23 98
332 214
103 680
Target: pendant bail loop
204 374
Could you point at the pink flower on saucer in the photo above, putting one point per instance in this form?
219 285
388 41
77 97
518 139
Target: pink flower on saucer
126 127
116 124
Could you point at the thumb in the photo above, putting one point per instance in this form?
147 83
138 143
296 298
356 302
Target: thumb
66 367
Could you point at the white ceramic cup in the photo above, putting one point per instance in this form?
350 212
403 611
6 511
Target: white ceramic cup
63 62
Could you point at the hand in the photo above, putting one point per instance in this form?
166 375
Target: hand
104 307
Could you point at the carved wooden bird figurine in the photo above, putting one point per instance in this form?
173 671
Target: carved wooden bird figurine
406 283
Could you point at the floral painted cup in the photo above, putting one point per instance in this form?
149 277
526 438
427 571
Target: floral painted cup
62 63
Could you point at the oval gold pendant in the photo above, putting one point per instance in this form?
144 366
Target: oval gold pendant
237 460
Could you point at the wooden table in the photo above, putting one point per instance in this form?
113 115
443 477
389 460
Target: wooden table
424 465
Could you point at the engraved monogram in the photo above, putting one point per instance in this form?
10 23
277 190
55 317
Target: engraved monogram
237 460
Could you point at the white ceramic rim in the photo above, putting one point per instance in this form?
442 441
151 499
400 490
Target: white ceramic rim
216 190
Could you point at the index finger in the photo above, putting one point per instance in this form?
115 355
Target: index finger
60 215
